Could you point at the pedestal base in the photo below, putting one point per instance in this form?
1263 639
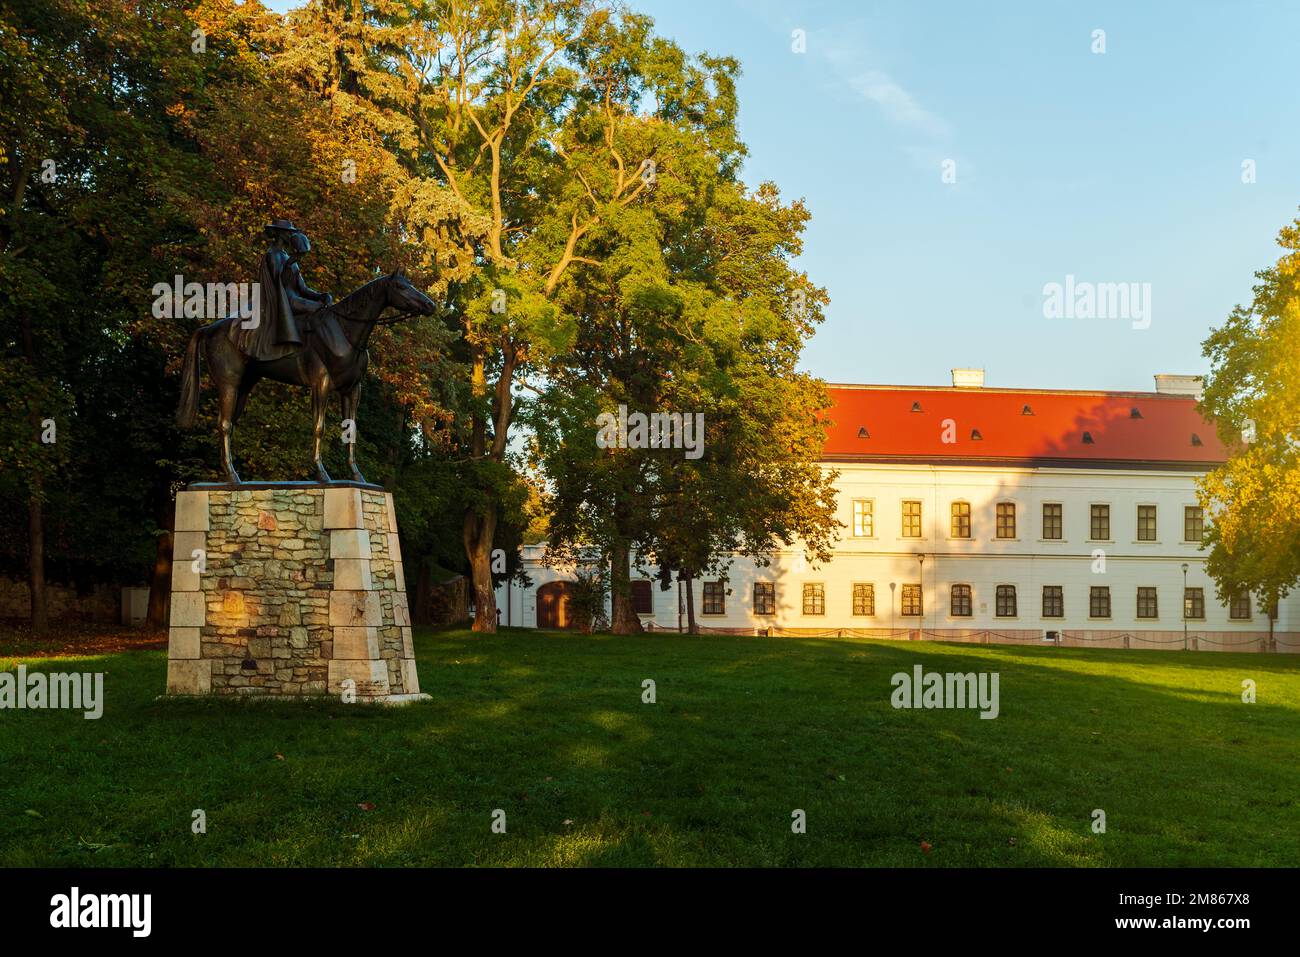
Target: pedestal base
392 701
289 590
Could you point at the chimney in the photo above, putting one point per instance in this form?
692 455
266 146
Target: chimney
968 378
1179 385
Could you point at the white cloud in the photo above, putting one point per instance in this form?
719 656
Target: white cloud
846 52
899 105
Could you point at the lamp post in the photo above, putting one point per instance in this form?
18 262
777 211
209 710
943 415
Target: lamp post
1272 617
892 586
1184 606
920 564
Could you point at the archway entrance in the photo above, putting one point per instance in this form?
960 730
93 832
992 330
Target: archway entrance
554 609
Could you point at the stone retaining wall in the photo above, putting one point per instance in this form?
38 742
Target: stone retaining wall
62 602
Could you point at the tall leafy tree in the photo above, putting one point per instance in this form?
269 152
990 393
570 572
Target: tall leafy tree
173 131
529 111
552 166
88 158
1253 501
692 307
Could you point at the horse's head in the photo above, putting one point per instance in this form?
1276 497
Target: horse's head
406 298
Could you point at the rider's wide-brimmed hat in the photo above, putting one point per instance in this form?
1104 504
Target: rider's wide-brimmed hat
280 225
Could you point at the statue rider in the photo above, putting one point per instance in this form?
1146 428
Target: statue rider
286 299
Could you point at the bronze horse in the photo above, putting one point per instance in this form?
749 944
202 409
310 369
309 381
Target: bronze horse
333 359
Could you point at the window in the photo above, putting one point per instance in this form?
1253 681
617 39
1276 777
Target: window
1006 601
961 519
1099 602
1146 523
642 598
814 598
715 602
1239 610
765 598
911 519
1193 523
864 518
1100 530
1053 601
961 603
1006 519
1147 603
1052 521
1194 603
912 601
864 598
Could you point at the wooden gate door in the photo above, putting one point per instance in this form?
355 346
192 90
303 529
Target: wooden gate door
553 606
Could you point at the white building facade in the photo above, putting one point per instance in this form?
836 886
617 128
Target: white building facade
977 514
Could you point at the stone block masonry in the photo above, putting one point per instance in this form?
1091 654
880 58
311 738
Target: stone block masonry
292 590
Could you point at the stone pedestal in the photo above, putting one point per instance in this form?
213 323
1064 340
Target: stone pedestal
288 589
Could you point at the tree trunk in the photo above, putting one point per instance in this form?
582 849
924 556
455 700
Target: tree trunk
160 584
36 553
623 616
421 601
479 530
691 627
481 525
35 484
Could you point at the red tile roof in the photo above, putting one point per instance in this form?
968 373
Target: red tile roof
992 426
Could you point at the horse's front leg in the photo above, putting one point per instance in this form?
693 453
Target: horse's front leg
350 400
320 394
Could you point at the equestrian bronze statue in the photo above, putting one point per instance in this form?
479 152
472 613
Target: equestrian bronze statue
298 336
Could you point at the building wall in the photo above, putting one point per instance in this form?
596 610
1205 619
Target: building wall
1027 561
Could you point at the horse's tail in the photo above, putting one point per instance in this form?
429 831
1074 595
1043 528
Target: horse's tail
188 408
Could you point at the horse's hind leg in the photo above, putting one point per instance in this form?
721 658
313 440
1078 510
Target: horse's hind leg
226 370
228 393
241 399
320 394
350 400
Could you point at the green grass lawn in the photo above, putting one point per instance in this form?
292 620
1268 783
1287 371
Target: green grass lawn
552 729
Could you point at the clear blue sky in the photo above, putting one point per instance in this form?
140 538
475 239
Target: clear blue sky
1117 167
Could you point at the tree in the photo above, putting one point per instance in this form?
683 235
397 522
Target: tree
85 92
532 161
759 490
691 307
528 110
203 122
1252 502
